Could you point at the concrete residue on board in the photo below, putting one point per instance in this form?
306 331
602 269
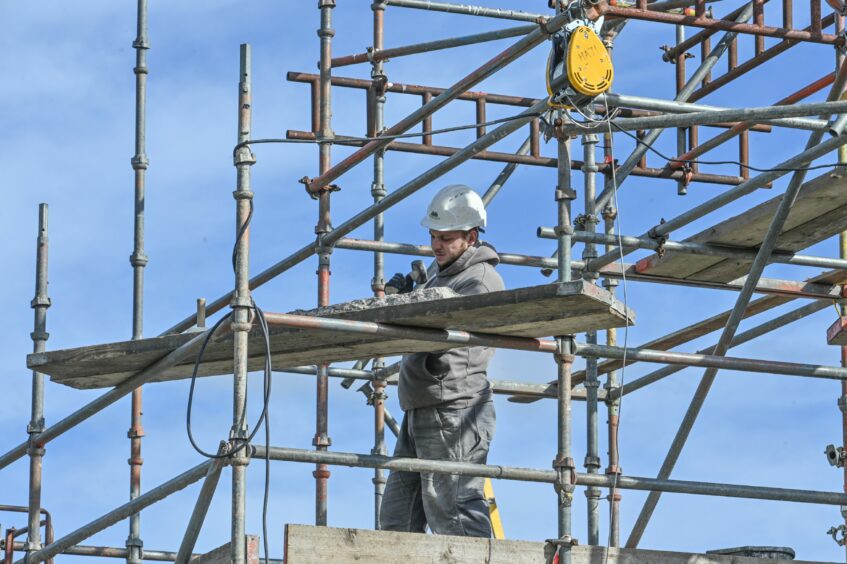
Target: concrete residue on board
416 296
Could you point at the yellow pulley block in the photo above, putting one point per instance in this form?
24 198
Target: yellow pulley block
588 65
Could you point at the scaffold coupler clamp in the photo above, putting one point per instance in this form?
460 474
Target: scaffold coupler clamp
838 534
670 55
660 239
243 155
835 456
565 485
552 546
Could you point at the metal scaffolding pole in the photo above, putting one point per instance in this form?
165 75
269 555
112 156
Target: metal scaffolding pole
589 222
518 15
40 303
241 305
563 463
201 507
356 460
138 260
756 269
321 440
378 396
746 336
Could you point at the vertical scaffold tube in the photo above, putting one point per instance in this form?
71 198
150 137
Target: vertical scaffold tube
612 405
378 396
592 456
564 463
842 240
138 260
39 335
324 226
241 305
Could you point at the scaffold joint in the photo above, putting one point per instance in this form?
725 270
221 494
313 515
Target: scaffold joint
35 427
591 461
834 532
134 541
321 440
243 156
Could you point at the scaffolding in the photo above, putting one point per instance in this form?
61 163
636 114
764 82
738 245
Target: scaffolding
731 255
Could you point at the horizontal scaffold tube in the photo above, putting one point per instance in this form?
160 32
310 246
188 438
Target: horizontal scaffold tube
674 107
499 13
500 387
707 117
631 242
548 476
386 54
466 338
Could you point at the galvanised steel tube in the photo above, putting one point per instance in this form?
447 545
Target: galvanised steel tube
746 336
201 508
138 260
592 455
756 269
321 440
377 396
115 516
501 387
730 26
40 303
548 476
499 61
518 15
712 117
734 193
153 371
613 405
380 54
715 361
622 172
630 242
564 465
241 307
452 336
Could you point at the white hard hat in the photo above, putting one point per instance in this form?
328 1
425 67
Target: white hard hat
455 208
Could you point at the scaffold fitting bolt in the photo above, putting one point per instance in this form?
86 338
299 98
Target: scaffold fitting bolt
591 461
138 259
40 301
35 427
321 474
139 162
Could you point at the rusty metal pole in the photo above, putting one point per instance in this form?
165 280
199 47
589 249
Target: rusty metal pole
241 306
564 463
138 260
612 405
40 303
592 455
378 396
321 440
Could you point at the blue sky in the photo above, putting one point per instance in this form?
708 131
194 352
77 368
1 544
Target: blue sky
68 98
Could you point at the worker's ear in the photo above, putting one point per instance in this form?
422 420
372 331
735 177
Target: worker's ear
473 237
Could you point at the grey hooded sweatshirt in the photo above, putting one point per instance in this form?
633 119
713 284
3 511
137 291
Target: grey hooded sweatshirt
455 378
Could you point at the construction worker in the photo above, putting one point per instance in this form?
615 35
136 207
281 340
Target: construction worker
446 397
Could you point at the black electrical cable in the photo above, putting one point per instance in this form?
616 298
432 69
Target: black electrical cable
264 417
389 137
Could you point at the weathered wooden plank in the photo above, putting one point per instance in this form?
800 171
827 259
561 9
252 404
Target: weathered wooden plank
538 311
819 212
306 544
221 555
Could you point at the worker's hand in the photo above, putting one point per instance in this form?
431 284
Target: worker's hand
399 284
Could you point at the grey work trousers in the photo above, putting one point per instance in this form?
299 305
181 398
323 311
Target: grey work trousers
449 504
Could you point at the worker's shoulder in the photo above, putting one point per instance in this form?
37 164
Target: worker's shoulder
482 277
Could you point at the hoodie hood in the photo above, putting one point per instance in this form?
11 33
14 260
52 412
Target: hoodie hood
479 253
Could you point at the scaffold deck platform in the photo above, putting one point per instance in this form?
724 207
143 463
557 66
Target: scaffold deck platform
537 311
819 213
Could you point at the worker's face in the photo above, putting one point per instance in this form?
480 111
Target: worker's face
447 246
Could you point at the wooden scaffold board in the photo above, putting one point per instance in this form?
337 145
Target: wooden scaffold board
537 311
306 544
819 213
